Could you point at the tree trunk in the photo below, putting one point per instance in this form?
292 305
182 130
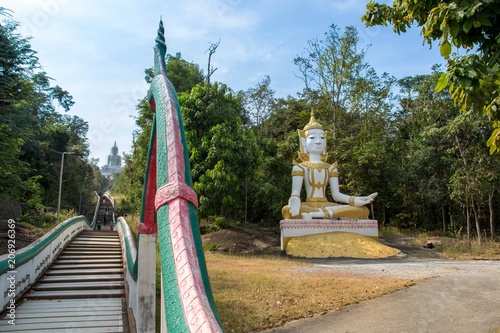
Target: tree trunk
211 51
444 217
246 199
476 218
383 216
467 212
492 214
467 186
451 222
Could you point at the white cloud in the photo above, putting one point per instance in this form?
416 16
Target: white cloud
219 14
98 50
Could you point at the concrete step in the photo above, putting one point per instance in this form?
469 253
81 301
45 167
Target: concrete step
87 285
88 251
85 266
82 278
69 294
89 260
84 271
79 256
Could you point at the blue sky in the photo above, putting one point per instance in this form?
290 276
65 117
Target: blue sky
98 50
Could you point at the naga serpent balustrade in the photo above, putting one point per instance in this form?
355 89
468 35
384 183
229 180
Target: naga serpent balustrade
169 207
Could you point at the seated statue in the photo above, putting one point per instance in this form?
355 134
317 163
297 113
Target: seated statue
317 174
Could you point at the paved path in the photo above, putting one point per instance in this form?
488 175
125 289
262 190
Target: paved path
463 296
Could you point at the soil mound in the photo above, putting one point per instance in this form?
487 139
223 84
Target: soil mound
338 244
244 241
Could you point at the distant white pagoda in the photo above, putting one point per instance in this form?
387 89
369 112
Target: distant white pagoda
114 163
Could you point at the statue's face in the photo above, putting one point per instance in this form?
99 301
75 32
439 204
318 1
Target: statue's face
315 141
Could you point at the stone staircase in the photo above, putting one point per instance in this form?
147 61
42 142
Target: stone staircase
82 291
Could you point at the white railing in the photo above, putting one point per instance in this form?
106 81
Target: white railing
19 269
129 250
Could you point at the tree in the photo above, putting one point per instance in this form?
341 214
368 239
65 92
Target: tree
475 173
183 75
355 103
425 164
211 50
63 97
331 67
287 115
259 101
17 125
473 78
31 129
446 172
222 154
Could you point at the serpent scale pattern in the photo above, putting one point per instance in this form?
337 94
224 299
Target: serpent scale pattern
187 297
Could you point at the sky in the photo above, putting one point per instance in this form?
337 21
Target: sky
98 50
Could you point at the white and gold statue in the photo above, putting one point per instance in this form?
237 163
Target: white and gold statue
316 174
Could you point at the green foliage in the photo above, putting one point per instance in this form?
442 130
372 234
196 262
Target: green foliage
331 71
46 220
209 246
223 154
34 193
259 102
32 132
473 78
217 223
183 75
270 188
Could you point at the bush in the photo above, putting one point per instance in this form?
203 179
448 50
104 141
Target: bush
45 219
216 223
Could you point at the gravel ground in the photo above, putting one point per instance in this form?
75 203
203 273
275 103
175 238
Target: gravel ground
398 269
411 263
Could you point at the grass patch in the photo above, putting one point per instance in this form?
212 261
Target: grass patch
209 246
460 247
390 232
398 232
456 247
463 249
253 294
46 220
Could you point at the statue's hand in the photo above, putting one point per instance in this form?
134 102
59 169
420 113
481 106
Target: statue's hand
294 205
361 201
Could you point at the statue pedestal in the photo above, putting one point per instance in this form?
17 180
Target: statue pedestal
297 228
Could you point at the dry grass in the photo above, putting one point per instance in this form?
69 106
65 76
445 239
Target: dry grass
460 247
465 250
253 294
457 247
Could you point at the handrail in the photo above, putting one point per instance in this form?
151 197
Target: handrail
96 211
130 257
129 246
169 208
27 264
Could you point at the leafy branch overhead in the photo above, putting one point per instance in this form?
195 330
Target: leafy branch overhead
472 26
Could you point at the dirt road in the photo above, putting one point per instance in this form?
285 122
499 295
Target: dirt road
458 296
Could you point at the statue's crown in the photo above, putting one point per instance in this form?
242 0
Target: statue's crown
313 124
